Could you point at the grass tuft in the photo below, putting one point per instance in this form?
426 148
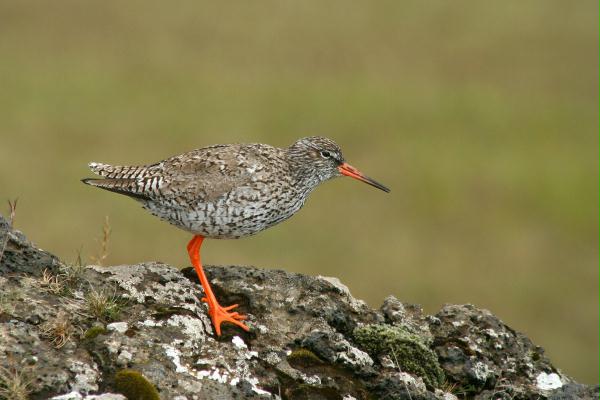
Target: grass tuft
59 330
50 282
15 384
70 276
102 305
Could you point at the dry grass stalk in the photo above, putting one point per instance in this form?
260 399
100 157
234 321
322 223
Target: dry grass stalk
397 364
12 206
449 387
104 241
50 282
59 331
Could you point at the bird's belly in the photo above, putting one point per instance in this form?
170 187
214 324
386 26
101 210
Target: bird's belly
224 219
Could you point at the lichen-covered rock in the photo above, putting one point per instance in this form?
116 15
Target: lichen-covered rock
19 256
87 333
574 391
480 352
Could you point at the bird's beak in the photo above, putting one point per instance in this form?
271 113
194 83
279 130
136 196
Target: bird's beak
349 170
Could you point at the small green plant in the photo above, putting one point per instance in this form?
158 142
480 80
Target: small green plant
15 384
72 274
102 305
135 386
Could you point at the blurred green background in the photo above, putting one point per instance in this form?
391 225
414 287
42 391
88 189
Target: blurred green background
481 116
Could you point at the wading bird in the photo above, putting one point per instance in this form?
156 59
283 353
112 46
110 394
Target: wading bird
229 191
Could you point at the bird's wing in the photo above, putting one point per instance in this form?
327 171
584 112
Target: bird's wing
208 173
199 175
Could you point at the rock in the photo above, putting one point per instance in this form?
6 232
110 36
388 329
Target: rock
20 256
574 391
104 332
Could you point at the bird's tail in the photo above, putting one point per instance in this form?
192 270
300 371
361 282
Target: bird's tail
120 171
125 180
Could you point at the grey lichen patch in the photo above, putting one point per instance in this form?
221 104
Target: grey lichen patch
128 278
407 350
135 386
156 281
193 330
86 376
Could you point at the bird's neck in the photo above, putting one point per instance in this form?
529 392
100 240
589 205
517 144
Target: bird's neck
303 173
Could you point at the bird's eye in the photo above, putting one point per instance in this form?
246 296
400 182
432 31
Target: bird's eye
325 154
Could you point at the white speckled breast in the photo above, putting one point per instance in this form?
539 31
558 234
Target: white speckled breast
241 212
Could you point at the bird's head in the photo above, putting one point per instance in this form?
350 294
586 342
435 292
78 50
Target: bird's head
320 159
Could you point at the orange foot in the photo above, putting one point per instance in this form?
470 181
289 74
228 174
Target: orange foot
219 314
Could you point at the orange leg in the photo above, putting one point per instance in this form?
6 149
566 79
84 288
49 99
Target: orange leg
218 314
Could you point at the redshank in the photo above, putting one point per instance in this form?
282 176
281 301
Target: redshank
228 192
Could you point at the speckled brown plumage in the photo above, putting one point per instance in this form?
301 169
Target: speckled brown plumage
227 191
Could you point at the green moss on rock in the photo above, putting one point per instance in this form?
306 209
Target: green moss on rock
404 348
134 386
94 331
303 358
